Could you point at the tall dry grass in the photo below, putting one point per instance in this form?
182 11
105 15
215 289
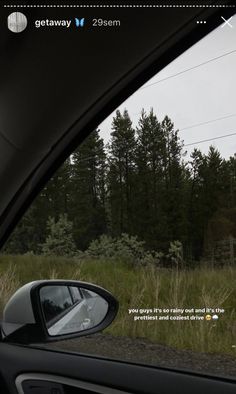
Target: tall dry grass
148 287
8 284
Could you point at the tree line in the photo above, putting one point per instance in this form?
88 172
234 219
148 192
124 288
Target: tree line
139 183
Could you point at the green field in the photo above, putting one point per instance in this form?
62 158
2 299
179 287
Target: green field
147 287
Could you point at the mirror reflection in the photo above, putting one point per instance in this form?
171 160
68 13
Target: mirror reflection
70 309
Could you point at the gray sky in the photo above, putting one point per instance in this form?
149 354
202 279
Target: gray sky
200 95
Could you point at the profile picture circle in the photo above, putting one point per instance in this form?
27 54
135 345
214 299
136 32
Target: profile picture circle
17 22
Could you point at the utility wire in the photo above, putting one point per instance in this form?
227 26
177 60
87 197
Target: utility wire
189 69
191 144
198 124
210 139
208 121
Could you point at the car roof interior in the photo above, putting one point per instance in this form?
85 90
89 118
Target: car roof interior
55 88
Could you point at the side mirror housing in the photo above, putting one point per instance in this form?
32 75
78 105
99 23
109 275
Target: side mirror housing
52 310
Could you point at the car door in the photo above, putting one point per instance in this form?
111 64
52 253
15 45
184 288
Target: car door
58 91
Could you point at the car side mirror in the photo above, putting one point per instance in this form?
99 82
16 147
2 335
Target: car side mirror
52 310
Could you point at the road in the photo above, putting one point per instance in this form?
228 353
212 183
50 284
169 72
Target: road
145 352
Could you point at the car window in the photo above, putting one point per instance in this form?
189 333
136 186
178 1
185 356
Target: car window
146 208
75 294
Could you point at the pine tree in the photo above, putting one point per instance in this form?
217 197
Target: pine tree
175 176
161 182
207 191
121 174
88 203
150 221
59 241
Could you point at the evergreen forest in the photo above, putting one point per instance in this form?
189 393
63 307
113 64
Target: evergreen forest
141 184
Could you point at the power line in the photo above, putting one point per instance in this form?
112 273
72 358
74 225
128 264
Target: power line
208 121
191 144
189 69
210 139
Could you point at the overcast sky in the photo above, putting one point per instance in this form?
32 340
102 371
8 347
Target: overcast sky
200 95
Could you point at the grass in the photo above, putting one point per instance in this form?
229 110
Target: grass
144 288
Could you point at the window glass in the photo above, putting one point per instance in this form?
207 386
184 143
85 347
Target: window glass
146 208
55 300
